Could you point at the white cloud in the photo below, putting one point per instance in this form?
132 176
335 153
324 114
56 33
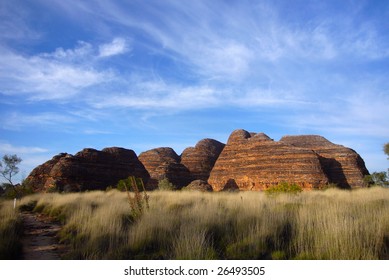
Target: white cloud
116 47
360 114
50 76
17 121
156 95
6 148
82 52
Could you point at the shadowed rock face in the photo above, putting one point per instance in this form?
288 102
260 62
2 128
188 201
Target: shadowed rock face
89 169
201 158
194 163
153 158
176 173
253 161
164 163
342 165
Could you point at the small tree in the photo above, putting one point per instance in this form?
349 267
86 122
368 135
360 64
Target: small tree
386 149
9 167
377 178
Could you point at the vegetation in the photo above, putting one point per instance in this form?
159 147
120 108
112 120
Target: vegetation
138 202
330 224
284 187
17 191
9 168
165 185
377 178
11 231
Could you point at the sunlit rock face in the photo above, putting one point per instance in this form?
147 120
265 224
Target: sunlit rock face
89 169
343 166
253 161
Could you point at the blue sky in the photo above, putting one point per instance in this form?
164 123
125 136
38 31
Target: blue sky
145 74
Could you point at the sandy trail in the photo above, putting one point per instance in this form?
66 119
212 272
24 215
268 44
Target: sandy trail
40 240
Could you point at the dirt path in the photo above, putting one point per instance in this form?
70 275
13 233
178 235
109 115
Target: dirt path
39 238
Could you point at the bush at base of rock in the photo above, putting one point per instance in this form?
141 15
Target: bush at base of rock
284 187
166 185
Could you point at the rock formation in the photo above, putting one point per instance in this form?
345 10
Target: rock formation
89 169
164 163
38 177
249 161
343 166
199 185
194 163
252 161
201 158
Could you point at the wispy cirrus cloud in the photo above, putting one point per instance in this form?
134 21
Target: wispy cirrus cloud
14 23
59 75
152 95
7 148
18 121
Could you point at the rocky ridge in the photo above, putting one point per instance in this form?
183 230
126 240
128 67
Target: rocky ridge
249 161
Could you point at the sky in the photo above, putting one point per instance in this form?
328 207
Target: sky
146 74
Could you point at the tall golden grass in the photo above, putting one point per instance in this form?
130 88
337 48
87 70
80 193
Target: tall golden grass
10 231
331 224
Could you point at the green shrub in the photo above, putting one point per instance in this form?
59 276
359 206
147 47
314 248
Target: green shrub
165 185
284 187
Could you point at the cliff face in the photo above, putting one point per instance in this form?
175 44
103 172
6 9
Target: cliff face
343 166
89 169
200 159
164 163
252 161
194 163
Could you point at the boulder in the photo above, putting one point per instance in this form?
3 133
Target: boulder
201 158
252 161
89 169
343 166
199 185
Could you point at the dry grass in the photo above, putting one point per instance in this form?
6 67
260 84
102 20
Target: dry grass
10 231
330 224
